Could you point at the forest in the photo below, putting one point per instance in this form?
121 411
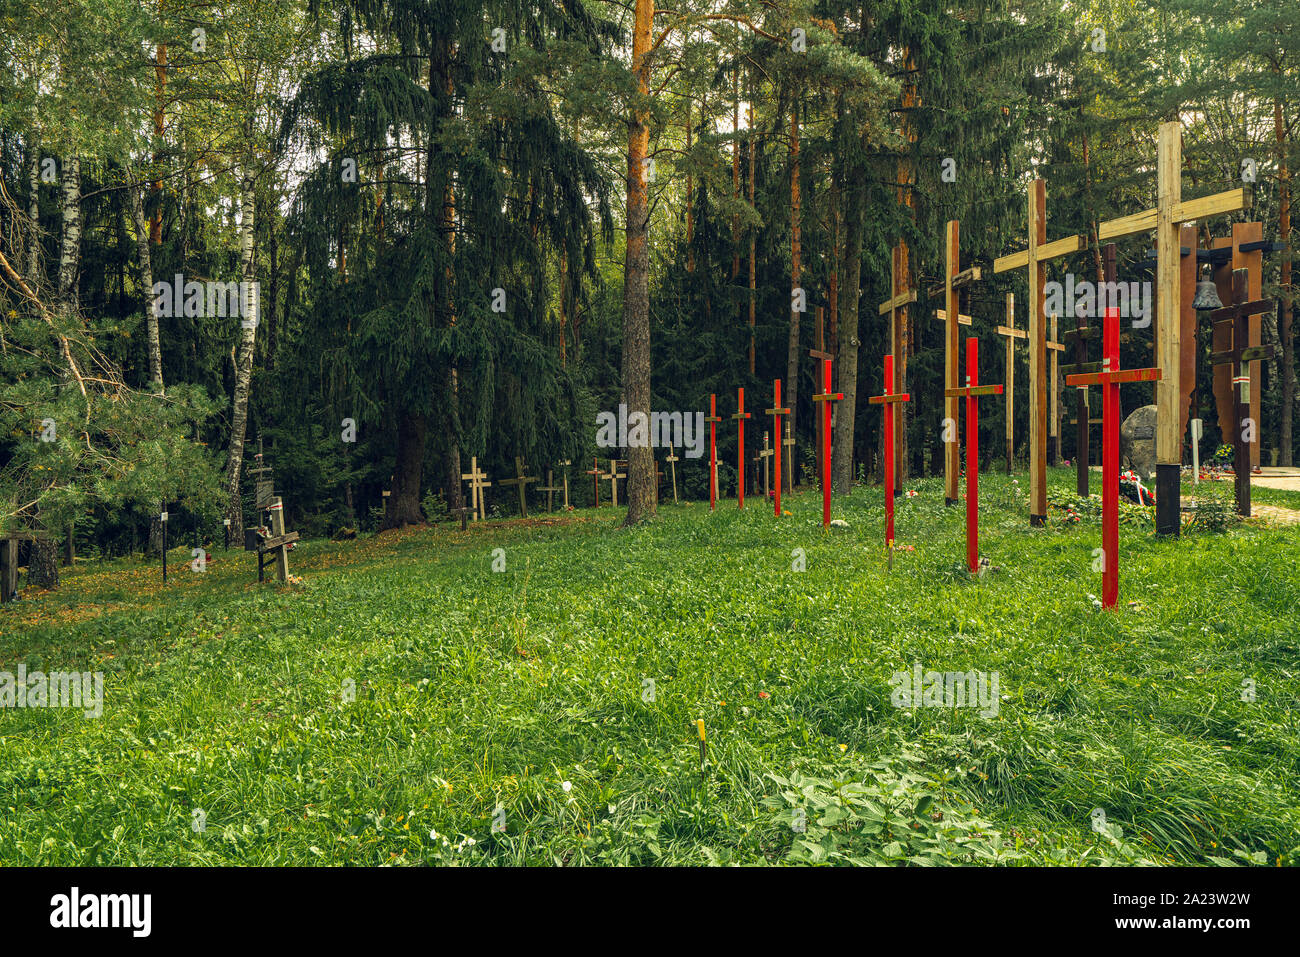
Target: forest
464 229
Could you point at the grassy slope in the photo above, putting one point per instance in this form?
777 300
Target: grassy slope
475 688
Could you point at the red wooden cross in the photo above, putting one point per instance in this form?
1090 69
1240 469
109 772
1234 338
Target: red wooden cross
972 392
889 398
826 396
776 412
713 421
740 417
1109 378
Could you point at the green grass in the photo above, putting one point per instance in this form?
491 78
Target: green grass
475 689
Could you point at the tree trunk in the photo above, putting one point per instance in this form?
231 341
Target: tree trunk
243 363
1285 330
43 571
141 226
403 507
33 266
845 414
753 240
641 498
455 499
796 275
70 253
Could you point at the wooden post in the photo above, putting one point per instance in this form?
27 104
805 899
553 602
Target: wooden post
827 397
1170 213
1012 334
1238 357
1035 257
1110 378
550 488
887 398
740 417
566 463
1054 349
776 412
788 442
971 393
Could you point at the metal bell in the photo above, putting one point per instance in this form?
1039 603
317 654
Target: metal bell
1207 296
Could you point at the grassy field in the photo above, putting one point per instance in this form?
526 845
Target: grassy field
529 690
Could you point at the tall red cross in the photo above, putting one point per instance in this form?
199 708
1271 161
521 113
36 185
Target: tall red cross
889 398
972 392
776 412
1110 378
713 421
827 397
740 417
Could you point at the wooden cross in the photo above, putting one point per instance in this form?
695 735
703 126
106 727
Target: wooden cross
277 543
566 463
740 417
550 488
713 419
788 442
765 455
1110 378
962 318
1080 335
1244 249
890 397
1054 349
953 280
971 392
1166 218
827 397
776 412
819 354
613 475
595 474
1012 334
476 487
1034 258
263 490
521 481
672 461
896 307
1239 355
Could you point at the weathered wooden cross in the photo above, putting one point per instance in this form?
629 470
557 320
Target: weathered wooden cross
672 459
1110 378
819 354
740 417
788 442
971 393
1012 334
713 419
550 488
890 397
954 279
1054 350
896 307
612 476
1166 219
776 412
765 455
521 481
827 397
595 474
566 463
1035 258
1240 354
477 483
